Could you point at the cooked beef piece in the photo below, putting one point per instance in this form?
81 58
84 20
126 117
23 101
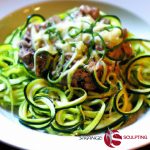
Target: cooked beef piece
27 57
26 52
92 11
42 60
125 33
127 49
25 43
82 78
122 52
42 64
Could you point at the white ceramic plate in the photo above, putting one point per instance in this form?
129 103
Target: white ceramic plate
11 132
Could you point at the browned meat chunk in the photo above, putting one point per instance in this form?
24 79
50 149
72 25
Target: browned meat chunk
123 51
27 54
42 64
92 11
83 79
27 57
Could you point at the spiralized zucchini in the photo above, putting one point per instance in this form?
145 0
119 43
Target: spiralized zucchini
95 75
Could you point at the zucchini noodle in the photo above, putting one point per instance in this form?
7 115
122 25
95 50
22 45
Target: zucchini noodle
75 73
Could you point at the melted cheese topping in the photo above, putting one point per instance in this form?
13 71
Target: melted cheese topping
41 40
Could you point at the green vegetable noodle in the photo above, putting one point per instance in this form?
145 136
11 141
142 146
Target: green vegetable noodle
75 73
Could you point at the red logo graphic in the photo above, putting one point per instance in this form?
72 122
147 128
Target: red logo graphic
112 138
